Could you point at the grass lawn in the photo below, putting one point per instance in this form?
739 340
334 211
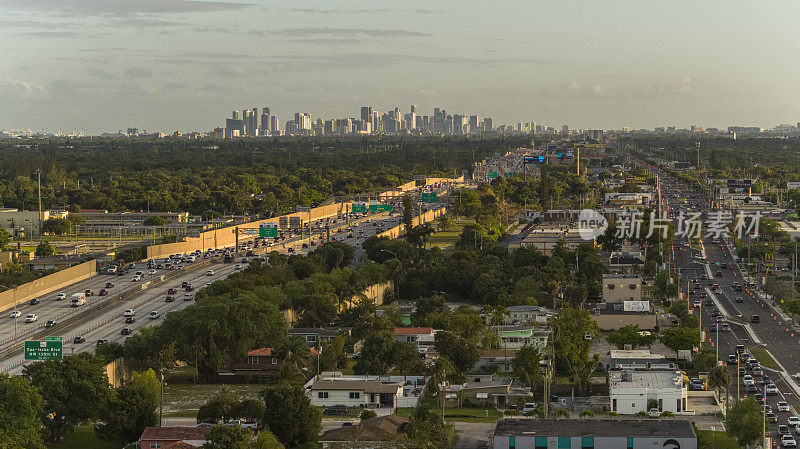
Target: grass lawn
82 438
471 414
348 370
448 238
183 400
708 439
764 358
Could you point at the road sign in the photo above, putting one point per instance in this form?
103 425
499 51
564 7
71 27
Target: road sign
429 197
359 207
283 221
491 175
268 230
49 349
248 231
377 207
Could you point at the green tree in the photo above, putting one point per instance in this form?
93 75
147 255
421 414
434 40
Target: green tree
572 349
289 413
227 437
376 354
219 408
526 365
705 359
333 356
629 335
44 249
335 254
132 407
665 286
249 410
744 422
155 221
20 412
408 214
444 222
719 378
5 237
267 440
74 390
463 352
367 414
679 338
57 226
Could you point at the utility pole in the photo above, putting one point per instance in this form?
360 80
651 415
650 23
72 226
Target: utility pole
698 155
161 401
39 175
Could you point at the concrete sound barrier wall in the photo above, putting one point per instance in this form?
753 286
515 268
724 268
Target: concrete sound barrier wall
47 284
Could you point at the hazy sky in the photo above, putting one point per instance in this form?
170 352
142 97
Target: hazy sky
166 65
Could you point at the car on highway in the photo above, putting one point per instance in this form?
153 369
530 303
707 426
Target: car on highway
237 267
102 341
739 299
151 272
172 291
126 331
61 296
772 389
696 303
788 441
757 371
210 273
169 298
102 292
109 285
187 297
751 388
783 406
78 340
154 315
793 421
50 323
765 380
136 278
755 319
31 317
748 380
732 359
34 301
129 312
16 314
130 320
771 417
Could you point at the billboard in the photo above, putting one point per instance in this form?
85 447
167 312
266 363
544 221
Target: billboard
740 183
295 222
636 306
529 160
283 222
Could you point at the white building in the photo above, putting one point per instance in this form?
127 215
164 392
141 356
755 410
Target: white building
618 288
421 337
634 391
333 388
22 222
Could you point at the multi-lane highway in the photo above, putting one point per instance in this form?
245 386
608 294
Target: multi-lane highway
711 275
149 294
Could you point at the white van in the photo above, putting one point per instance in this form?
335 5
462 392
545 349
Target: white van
78 299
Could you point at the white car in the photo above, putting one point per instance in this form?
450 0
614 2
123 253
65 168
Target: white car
793 421
210 273
237 267
154 315
772 389
529 407
136 278
16 314
788 441
748 380
151 272
61 296
697 303
31 317
129 312
783 406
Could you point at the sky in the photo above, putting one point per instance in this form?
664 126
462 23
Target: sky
167 65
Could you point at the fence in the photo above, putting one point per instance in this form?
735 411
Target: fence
47 284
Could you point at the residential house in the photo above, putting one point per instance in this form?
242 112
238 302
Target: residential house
159 437
421 337
625 260
315 337
500 359
257 363
373 433
353 392
527 315
486 390
515 337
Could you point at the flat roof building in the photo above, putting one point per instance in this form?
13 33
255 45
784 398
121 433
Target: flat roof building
529 433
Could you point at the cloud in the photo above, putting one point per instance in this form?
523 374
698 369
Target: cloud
57 34
229 72
432 11
141 22
100 73
19 23
12 88
122 8
138 72
175 86
312 31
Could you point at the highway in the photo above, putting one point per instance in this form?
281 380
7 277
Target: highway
108 324
771 333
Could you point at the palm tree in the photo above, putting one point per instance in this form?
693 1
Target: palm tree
561 413
441 370
720 377
587 414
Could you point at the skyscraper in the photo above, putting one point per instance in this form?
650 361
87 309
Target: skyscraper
265 124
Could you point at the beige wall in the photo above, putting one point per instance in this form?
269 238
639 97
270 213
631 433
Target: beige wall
616 321
397 231
118 373
47 284
622 290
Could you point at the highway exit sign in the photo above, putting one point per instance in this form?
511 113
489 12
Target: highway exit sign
429 197
359 207
268 230
49 349
377 207
491 175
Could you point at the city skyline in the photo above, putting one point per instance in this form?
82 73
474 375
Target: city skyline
105 65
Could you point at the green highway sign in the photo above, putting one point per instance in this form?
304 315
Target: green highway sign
377 207
429 197
49 349
491 175
359 207
268 230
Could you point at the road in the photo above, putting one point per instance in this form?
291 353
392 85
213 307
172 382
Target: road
771 333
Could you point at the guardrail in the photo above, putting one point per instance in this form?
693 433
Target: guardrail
92 312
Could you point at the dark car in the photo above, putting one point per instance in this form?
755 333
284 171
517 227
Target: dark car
755 319
184 284
122 273
103 292
172 291
79 339
126 331
188 288
109 285
169 298
34 301
88 292
130 320
50 323
338 409
102 341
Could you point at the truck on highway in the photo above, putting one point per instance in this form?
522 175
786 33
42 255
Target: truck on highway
78 299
